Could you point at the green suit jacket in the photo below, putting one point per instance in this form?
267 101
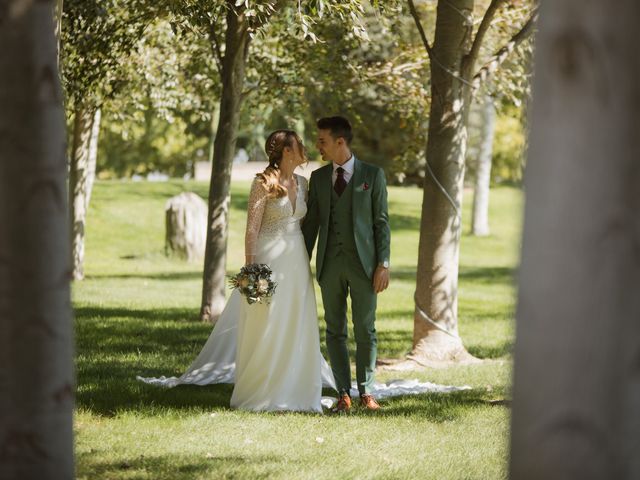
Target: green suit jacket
370 215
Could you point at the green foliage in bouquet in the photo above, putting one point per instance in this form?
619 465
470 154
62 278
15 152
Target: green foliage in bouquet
254 282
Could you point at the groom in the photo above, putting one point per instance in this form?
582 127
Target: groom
347 212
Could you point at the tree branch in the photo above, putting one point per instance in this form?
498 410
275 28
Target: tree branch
215 46
482 30
501 55
423 36
399 69
429 49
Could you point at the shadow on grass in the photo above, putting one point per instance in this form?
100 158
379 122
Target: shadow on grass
404 222
403 274
502 275
119 395
193 275
439 407
403 314
492 351
114 345
176 467
173 314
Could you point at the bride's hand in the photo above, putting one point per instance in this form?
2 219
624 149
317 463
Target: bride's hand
249 259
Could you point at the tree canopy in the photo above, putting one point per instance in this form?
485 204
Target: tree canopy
155 68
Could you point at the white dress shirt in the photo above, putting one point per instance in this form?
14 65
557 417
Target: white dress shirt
347 167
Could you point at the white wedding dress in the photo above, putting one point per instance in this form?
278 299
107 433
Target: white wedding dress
271 352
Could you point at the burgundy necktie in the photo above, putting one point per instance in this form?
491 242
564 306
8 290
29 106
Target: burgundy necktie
341 183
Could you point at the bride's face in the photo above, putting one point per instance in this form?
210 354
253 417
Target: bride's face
294 155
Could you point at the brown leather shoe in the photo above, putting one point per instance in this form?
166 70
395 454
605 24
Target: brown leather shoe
343 405
368 402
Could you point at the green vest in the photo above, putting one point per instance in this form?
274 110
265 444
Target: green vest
340 237
363 204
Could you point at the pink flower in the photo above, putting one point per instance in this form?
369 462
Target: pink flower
365 186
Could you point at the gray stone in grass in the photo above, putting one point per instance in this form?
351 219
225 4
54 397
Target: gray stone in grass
186 226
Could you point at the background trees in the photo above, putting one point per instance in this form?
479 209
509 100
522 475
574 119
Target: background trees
486 119
375 69
454 53
228 29
96 39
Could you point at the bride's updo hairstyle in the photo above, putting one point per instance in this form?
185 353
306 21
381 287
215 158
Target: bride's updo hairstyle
274 147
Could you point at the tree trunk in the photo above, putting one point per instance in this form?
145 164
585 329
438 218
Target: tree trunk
435 334
480 215
81 175
93 155
233 65
215 117
36 358
576 411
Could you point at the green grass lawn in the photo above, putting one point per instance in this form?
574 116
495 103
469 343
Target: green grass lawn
136 314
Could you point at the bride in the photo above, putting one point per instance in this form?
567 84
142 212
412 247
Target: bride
270 351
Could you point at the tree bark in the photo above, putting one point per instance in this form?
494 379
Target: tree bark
215 116
57 16
233 72
81 176
435 334
93 155
36 358
576 410
480 215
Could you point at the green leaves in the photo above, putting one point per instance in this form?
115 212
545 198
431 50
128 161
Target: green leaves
306 58
96 41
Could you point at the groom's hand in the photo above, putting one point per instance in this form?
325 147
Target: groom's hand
380 279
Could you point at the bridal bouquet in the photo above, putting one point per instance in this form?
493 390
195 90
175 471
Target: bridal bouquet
254 282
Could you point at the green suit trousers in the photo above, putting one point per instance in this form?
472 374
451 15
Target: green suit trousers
343 276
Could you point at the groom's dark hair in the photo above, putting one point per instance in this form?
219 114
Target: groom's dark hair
338 126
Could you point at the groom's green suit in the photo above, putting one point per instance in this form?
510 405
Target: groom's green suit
353 239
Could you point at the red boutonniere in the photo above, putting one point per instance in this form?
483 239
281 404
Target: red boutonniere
365 186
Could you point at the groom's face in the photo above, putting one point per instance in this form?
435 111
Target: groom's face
328 146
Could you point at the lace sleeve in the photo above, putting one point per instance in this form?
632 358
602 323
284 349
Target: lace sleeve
255 210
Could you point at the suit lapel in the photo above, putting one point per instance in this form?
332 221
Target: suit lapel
356 181
325 191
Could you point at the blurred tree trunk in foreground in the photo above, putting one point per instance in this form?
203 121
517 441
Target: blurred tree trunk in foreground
36 358
576 410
